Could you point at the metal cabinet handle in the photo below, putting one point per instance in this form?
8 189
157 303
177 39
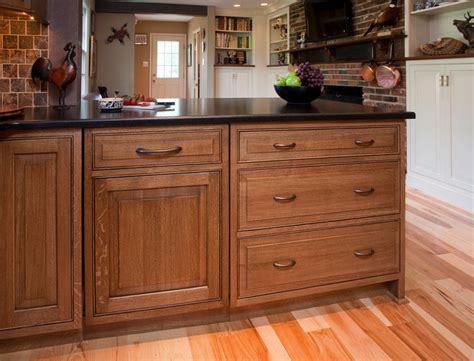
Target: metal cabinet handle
284 264
447 80
364 253
441 80
364 191
281 146
289 198
364 143
143 151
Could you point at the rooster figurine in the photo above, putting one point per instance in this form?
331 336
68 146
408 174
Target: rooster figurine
61 76
386 17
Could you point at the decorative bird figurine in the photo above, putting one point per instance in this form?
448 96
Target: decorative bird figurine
119 35
61 76
388 16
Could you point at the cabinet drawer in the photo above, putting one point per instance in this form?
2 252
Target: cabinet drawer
293 261
159 148
292 196
286 144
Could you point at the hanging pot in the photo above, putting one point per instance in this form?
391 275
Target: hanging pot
388 76
368 69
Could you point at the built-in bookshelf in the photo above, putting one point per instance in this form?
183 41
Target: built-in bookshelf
233 40
278 39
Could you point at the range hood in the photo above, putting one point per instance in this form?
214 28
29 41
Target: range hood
37 9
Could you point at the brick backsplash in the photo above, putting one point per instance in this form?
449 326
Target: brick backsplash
348 74
22 41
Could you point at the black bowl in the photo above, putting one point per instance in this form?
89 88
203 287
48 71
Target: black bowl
298 94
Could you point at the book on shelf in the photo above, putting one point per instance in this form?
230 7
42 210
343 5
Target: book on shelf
233 41
226 23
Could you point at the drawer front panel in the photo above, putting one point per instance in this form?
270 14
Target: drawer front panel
287 144
293 196
156 148
293 261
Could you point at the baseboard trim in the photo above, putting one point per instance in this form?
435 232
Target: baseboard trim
444 192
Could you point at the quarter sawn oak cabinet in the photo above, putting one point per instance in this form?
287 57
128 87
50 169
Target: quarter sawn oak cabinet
185 224
40 232
155 221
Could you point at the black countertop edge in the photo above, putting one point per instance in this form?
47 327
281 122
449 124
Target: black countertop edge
182 120
193 112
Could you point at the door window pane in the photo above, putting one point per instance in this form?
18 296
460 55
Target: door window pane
167 59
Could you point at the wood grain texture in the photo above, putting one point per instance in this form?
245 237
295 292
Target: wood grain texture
40 232
437 324
156 226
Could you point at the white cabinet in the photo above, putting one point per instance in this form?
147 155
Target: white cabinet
273 73
233 82
441 138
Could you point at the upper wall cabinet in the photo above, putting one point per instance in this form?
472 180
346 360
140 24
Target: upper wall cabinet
37 8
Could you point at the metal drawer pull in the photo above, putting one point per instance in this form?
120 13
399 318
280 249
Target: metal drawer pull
364 143
289 198
364 192
144 151
281 146
284 264
364 253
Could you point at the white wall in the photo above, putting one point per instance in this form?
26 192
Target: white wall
115 62
442 25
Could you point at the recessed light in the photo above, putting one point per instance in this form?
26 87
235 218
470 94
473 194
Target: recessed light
264 4
236 5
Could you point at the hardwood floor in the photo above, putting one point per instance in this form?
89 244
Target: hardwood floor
436 324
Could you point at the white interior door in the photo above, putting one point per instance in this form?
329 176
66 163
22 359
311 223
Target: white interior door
168 75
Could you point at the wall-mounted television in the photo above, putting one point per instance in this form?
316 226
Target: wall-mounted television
327 19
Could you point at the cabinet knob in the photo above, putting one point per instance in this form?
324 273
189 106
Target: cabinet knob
281 146
288 198
364 191
364 253
284 264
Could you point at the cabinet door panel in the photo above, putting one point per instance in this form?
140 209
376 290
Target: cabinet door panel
461 113
243 84
425 133
35 232
156 241
224 84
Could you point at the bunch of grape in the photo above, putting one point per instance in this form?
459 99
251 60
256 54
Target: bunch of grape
310 75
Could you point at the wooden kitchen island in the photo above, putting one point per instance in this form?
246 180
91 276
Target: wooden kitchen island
215 208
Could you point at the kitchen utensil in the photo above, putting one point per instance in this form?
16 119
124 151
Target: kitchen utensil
368 69
111 105
388 76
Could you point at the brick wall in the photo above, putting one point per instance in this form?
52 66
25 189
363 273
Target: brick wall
347 74
22 41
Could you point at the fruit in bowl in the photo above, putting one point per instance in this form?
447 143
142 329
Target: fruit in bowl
302 85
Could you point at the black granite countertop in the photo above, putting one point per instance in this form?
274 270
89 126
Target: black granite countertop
199 111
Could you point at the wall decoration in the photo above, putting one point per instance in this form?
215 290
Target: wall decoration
118 35
141 39
190 55
93 57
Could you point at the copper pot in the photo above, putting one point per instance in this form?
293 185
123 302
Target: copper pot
388 76
368 69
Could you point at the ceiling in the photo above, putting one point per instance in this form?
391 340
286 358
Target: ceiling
163 17
222 4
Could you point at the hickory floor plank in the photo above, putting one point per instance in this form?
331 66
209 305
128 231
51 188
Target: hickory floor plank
436 324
